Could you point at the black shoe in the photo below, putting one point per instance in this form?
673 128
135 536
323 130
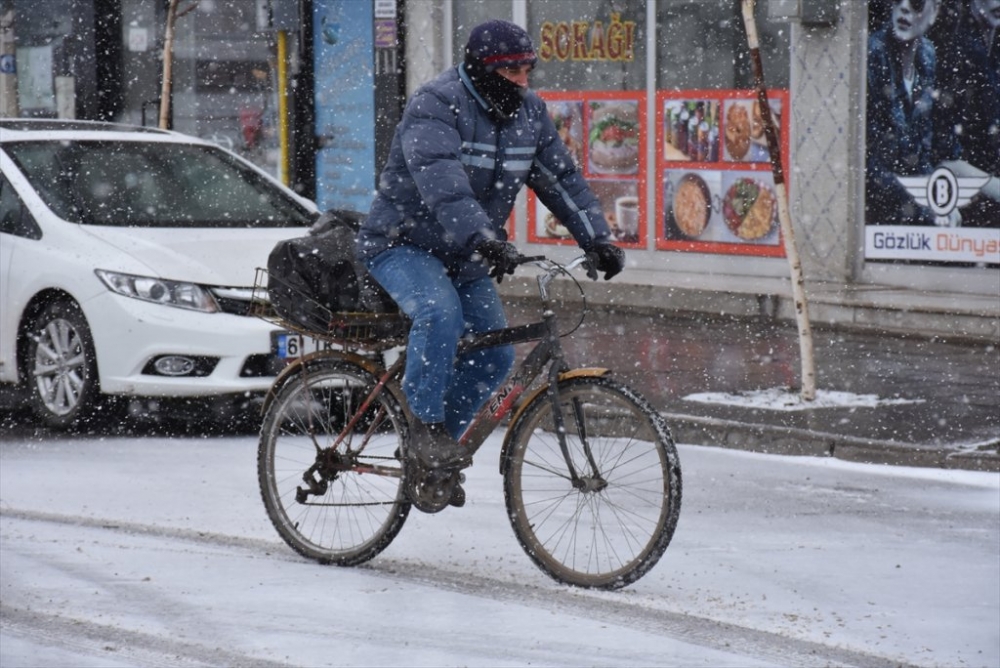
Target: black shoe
435 448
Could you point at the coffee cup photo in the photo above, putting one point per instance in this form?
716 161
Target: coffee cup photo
627 215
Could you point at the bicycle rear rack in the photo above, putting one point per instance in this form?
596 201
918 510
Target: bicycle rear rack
348 329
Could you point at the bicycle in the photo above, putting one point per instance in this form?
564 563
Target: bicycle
592 479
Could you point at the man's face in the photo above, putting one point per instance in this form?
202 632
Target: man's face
987 12
519 73
912 18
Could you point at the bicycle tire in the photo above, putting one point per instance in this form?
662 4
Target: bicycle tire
610 535
357 514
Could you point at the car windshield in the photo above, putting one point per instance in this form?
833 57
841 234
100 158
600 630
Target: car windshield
152 184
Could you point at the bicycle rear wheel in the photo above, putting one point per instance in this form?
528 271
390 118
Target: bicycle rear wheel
611 528
335 494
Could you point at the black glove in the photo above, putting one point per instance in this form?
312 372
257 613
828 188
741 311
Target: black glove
502 256
604 257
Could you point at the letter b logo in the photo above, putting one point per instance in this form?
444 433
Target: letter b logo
942 191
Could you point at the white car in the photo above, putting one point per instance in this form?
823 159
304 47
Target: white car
127 260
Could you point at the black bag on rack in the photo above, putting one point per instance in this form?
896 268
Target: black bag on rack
311 277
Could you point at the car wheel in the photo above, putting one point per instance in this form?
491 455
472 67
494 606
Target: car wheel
61 367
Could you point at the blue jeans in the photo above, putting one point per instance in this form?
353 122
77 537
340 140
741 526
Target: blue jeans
439 387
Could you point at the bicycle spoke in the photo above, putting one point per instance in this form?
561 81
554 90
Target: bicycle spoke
549 468
326 500
612 527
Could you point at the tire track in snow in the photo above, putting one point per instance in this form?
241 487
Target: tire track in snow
116 645
704 632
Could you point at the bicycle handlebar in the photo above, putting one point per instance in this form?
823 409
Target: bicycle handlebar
553 267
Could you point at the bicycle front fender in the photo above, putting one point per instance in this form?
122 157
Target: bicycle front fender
594 372
303 364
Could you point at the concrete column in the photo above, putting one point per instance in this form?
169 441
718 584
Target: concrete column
8 67
826 122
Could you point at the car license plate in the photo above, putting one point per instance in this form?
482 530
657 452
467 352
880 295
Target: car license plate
289 345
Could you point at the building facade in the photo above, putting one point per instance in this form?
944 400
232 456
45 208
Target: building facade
654 99
679 69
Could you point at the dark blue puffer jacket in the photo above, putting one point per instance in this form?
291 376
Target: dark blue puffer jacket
453 175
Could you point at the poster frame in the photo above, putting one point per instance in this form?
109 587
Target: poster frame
639 178
665 164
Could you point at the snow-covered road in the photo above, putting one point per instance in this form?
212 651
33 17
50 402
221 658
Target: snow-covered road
157 551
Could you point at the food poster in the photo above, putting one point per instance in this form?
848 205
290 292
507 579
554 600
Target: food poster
744 135
721 207
605 135
691 130
715 188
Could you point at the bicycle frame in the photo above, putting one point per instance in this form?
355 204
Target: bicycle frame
547 352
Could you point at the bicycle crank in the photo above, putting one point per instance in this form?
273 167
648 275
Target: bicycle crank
430 491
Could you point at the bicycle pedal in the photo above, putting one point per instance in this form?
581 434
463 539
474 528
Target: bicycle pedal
457 498
431 491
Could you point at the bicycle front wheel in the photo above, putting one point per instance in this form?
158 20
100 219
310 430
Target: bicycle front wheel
330 474
612 525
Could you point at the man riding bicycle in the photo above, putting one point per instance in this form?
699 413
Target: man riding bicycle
466 144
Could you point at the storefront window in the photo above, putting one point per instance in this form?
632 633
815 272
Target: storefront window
589 44
711 177
224 82
702 45
467 14
714 188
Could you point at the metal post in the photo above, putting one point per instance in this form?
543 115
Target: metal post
283 106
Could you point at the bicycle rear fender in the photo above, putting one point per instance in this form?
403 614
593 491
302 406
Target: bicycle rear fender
303 363
594 372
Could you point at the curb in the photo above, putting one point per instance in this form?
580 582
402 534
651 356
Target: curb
769 439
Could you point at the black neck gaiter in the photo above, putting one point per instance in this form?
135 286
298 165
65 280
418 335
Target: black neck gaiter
503 95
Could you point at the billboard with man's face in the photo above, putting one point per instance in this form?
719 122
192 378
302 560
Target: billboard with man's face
932 180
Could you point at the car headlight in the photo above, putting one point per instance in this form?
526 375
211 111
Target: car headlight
158 290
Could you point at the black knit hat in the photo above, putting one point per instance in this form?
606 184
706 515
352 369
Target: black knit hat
498 43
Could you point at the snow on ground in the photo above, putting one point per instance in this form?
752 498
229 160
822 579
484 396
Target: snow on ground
157 551
782 399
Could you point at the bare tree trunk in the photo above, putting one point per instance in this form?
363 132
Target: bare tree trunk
784 215
168 65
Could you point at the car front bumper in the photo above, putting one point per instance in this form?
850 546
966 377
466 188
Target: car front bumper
130 333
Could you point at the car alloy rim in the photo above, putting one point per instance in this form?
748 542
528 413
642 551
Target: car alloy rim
60 367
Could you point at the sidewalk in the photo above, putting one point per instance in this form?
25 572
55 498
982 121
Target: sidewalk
951 418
